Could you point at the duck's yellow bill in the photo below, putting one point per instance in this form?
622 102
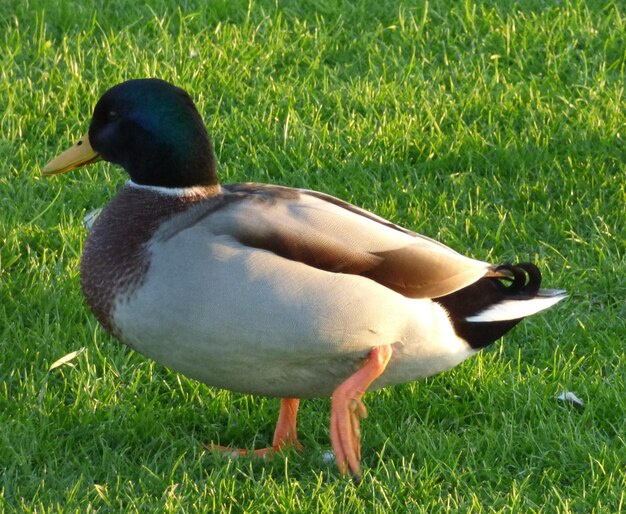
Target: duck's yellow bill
81 154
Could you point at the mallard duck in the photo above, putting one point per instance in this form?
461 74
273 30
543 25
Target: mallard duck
272 290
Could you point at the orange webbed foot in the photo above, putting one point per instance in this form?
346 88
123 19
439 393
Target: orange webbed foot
285 434
347 409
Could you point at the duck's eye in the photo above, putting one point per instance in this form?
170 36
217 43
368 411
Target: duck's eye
112 115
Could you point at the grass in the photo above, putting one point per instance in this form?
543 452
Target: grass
496 127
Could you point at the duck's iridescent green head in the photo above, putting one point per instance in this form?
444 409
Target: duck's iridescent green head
153 130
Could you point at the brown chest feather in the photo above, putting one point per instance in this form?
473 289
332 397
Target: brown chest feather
116 257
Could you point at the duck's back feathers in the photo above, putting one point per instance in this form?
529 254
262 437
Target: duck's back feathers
324 232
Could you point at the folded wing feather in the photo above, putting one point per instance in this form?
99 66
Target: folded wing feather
329 234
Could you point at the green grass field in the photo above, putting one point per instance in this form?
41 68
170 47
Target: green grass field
498 128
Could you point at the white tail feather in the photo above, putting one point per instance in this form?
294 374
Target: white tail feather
516 309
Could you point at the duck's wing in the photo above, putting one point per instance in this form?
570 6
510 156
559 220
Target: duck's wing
327 233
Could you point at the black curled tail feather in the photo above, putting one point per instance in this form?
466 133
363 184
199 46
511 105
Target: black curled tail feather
516 282
525 281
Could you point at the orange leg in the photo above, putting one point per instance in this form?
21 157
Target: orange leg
347 408
285 433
